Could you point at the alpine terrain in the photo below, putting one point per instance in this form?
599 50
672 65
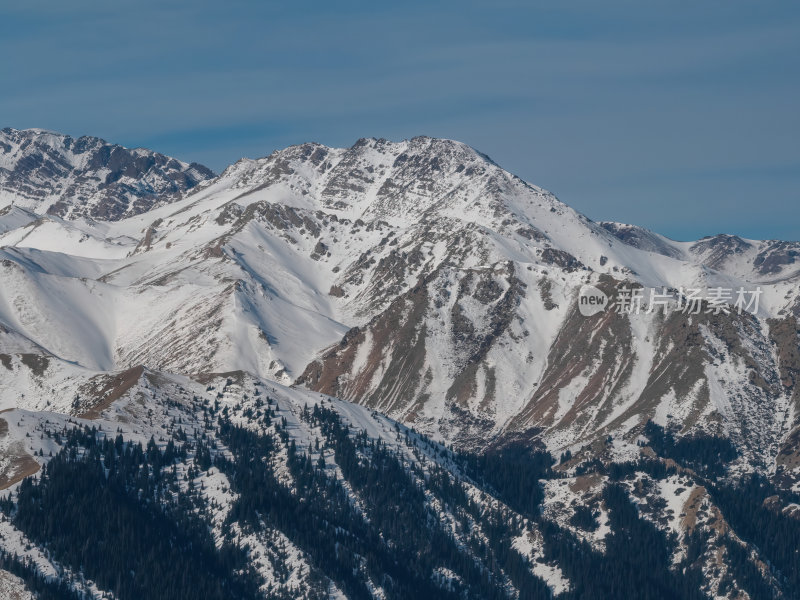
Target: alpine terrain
370 372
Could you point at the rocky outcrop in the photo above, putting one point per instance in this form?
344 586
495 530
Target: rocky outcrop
88 177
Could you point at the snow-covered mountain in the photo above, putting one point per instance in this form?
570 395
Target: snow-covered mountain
418 278
344 502
87 177
422 281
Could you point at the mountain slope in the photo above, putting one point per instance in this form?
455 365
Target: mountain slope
423 280
344 502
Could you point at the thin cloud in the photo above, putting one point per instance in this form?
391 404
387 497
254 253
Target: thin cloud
591 101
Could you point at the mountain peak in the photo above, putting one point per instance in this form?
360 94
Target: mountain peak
379 179
70 177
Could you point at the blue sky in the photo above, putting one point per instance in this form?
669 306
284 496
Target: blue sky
679 116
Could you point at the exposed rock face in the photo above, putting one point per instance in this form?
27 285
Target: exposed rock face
775 255
88 177
641 238
716 250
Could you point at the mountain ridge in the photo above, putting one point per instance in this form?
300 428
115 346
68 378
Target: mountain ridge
87 176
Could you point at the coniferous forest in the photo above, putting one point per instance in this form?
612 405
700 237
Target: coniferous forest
129 517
